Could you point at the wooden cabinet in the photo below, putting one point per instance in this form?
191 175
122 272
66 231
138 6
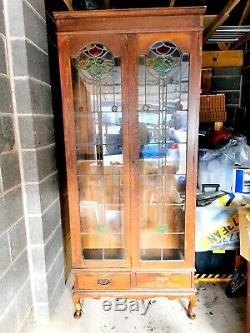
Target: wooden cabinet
130 83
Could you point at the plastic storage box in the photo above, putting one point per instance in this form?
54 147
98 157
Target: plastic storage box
215 168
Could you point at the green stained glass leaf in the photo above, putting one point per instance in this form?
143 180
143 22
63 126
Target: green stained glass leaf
162 228
102 228
95 61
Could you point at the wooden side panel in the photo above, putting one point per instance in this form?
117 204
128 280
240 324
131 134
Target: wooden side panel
66 233
69 138
192 152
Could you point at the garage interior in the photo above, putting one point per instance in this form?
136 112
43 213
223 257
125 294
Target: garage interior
35 240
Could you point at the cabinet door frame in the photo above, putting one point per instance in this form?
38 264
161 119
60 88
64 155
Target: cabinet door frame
70 45
190 42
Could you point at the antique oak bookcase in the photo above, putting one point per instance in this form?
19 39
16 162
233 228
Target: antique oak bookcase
130 82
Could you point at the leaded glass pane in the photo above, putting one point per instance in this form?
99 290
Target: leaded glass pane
95 61
96 76
162 57
163 115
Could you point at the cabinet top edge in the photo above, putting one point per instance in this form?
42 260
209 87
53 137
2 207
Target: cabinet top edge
135 12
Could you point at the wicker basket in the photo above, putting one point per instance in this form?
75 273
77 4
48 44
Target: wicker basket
212 108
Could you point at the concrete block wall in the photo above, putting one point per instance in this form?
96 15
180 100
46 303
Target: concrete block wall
27 126
15 288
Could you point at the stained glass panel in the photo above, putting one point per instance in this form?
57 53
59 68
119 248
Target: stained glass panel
98 115
96 61
163 74
162 58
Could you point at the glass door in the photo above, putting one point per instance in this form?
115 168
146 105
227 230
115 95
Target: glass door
161 153
101 152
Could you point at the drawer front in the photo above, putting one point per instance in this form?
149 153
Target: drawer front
102 280
163 280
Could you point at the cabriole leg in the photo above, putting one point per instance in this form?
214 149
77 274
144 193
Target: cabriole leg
191 306
78 306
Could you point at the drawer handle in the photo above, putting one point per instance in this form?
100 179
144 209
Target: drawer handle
104 282
163 279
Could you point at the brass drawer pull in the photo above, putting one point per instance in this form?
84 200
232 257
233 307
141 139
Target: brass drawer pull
162 279
104 282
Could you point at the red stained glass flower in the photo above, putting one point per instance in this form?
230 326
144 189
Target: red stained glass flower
162 49
96 51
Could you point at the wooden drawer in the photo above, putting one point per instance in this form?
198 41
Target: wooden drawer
166 280
102 280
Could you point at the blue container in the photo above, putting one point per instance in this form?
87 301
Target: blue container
154 151
242 180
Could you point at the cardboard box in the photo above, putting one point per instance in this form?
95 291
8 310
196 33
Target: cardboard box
244 221
217 225
217 228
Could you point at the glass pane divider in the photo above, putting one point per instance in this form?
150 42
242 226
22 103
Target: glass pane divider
166 233
83 113
165 204
168 112
100 233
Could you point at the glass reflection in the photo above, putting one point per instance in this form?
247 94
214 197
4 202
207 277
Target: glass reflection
163 115
96 77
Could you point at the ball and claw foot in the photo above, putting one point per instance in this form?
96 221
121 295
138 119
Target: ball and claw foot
191 315
191 305
78 311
